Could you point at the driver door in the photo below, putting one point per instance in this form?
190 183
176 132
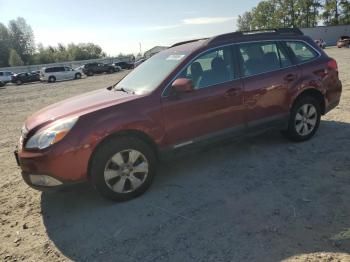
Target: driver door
214 107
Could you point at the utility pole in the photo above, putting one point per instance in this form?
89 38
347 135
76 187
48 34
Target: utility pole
140 48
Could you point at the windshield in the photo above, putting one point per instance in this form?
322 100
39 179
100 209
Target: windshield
147 76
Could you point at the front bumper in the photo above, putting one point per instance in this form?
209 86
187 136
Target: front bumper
39 181
53 169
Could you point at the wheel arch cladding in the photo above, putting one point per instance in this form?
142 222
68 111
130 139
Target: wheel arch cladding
125 133
315 93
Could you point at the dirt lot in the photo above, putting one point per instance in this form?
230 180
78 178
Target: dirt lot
258 199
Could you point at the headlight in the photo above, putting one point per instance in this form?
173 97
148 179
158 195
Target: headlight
51 135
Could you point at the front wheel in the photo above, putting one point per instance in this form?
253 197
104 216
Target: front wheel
123 168
77 76
304 120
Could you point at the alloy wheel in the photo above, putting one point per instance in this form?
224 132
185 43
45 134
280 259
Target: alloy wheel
306 119
126 171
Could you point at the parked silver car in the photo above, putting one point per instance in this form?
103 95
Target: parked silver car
57 73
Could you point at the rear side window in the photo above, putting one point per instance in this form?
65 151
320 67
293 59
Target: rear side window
1 73
257 58
302 51
211 68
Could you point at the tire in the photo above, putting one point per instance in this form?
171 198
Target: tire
112 171
52 79
304 119
110 71
19 82
90 73
77 76
2 84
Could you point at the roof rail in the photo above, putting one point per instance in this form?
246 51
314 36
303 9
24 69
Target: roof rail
277 31
267 32
187 42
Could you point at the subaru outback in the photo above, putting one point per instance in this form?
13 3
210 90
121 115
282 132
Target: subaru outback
191 93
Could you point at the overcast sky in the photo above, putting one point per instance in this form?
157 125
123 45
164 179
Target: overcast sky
119 26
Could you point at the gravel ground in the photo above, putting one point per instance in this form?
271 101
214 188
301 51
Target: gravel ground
258 199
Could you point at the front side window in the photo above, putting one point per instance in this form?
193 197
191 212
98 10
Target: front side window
302 51
210 69
262 57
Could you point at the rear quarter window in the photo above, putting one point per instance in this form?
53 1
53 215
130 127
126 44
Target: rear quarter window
302 51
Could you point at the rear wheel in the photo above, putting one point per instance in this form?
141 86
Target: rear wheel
52 79
90 73
304 119
18 82
123 168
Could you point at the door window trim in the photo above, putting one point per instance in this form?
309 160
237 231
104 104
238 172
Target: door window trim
235 74
234 48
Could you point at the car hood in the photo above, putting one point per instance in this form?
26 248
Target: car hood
78 106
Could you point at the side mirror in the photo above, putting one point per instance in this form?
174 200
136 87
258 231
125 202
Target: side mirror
182 85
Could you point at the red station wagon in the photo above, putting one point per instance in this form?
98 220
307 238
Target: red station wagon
193 92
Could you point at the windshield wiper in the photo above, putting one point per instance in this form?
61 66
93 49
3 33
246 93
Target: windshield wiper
124 90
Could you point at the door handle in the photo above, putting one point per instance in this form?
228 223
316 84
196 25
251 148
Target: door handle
232 92
290 77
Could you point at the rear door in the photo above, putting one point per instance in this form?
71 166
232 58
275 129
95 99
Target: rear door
268 75
58 72
215 106
101 68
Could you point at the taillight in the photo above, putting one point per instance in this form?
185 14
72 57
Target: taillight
332 64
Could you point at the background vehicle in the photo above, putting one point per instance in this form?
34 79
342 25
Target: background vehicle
25 78
139 62
321 43
5 77
53 74
188 95
117 68
98 68
344 41
125 65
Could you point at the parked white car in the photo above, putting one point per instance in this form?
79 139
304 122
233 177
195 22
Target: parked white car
57 73
5 77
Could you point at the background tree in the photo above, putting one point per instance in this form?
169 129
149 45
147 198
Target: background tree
295 13
331 12
15 59
244 22
22 38
4 45
345 12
